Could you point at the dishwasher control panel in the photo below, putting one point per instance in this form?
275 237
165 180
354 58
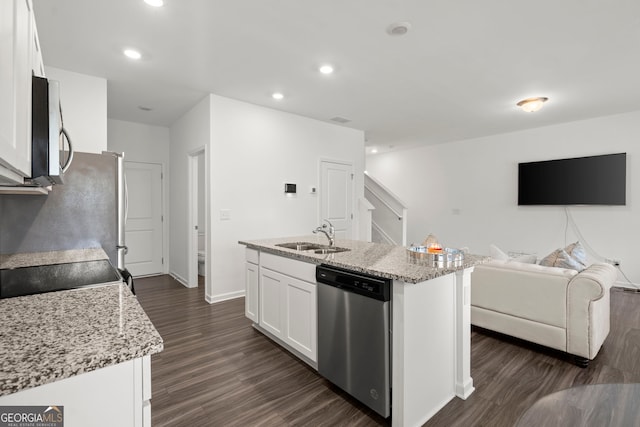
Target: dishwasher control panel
370 286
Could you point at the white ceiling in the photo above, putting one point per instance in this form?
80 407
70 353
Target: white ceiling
456 75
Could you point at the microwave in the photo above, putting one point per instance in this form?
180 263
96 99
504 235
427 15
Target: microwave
47 134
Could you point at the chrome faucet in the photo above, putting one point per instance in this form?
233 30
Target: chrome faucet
323 229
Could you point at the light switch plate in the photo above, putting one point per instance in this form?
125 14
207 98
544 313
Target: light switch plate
225 214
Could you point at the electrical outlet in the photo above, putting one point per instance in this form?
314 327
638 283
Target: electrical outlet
614 262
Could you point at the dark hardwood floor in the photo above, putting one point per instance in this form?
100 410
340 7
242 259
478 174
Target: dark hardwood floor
216 370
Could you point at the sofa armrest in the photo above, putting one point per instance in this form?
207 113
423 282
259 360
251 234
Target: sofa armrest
588 309
528 291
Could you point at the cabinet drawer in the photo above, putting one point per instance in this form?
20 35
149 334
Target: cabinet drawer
292 267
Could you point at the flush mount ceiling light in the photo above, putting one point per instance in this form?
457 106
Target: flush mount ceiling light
155 3
132 54
326 69
532 104
277 96
398 28
374 150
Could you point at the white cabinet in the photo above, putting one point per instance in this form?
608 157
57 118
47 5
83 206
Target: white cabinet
251 280
301 317
272 311
18 40
37 65
117 395
287 303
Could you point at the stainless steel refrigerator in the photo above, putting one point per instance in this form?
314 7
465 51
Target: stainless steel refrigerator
87 211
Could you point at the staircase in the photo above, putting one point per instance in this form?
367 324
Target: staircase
389 218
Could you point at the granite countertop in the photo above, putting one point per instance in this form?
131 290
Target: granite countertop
52 336
30 259
377 259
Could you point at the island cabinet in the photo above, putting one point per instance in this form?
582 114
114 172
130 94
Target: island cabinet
118 395
286 303
251 280
430 332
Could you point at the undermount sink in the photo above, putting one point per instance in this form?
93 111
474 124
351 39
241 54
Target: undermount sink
312 247
329 250
300 246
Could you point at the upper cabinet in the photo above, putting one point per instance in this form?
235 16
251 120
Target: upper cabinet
37 65
20 58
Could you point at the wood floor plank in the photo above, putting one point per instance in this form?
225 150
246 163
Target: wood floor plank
217 370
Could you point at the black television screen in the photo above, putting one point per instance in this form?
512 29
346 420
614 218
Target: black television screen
594 180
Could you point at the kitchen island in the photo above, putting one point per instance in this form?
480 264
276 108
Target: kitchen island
430 319
86 349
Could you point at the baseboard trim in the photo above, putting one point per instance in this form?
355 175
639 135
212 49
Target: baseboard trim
212 299
184 282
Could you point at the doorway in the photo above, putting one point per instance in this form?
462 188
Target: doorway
336 196
144 225
198 260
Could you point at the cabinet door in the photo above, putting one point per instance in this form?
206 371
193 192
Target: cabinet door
15 80
37 65
271 309
86 395
7 103
301 318
251 278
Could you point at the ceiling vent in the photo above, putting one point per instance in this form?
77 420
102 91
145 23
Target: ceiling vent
339 119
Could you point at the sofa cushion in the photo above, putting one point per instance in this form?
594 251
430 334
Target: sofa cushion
498 254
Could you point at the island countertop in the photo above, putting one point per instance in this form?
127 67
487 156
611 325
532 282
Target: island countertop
52 336
377 259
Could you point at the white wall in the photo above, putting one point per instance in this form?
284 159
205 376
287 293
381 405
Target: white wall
466 192
190 132
146 144
84 108
140 142
252 152
201 194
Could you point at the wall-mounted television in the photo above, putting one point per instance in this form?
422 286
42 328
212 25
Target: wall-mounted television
593 180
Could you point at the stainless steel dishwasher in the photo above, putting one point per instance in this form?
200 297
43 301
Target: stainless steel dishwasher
354 349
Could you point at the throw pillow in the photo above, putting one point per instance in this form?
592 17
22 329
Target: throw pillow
577 252
497 253
560 258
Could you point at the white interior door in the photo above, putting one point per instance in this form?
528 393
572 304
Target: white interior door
143 231
336 196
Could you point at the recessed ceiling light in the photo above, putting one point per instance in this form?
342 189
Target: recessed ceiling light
326 69
277 95
531 105
398 28
132 53
155 3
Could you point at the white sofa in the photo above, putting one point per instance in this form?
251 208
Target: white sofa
553 307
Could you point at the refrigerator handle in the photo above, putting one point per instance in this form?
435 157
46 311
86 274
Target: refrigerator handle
126 199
